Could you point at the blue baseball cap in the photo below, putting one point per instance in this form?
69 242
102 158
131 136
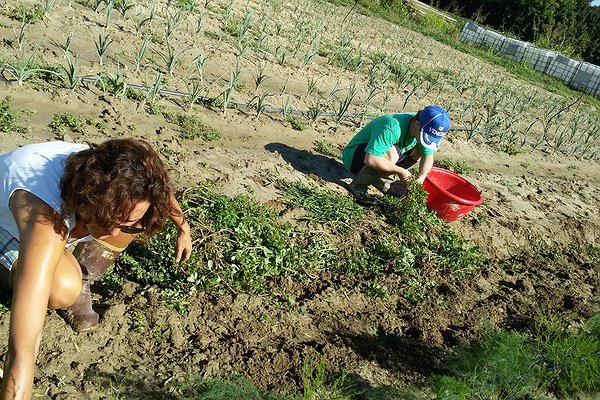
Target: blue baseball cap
435 122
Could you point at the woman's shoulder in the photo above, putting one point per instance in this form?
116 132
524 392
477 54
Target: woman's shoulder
41 153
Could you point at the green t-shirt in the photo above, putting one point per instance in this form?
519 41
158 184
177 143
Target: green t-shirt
381 134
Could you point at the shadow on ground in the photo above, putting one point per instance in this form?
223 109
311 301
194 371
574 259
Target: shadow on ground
326 168
119 386
406 355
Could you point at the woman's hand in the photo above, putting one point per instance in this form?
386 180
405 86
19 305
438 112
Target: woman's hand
183 247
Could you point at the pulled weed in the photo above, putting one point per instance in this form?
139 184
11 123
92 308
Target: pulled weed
329 149
428 237
339 213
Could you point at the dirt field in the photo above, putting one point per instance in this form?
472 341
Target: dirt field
536 203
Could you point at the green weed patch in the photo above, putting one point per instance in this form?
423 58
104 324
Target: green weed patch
458 166
64 122
296 123
329 149
192 127
240 245
27 14
9 117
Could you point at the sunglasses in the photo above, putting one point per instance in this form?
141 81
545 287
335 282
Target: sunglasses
132 229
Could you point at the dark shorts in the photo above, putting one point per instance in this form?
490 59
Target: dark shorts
358 160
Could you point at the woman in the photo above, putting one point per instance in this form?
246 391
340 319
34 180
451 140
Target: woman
55 195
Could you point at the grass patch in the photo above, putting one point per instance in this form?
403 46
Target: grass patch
9 117
317 383
500 363
192 127
235 387
64 122
513 365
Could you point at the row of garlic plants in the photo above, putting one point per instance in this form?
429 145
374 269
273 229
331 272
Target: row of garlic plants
255 53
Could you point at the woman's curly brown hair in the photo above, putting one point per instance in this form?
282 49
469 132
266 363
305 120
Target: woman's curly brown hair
104 183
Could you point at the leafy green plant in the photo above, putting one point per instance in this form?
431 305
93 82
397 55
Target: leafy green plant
64 122
71 72
123 6
171 58
21 35
377 290
192 127
102 42
344 104
140 53
9 117
25 69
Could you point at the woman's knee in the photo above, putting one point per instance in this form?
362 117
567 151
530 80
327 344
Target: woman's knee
66 285
64 293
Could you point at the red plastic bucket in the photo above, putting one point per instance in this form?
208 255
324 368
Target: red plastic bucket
450 195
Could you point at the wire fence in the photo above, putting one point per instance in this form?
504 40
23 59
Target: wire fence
579 75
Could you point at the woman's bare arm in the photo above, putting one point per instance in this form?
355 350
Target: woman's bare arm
40 251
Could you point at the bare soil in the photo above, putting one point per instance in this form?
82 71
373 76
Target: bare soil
536 203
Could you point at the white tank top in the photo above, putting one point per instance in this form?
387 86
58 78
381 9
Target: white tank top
37 169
